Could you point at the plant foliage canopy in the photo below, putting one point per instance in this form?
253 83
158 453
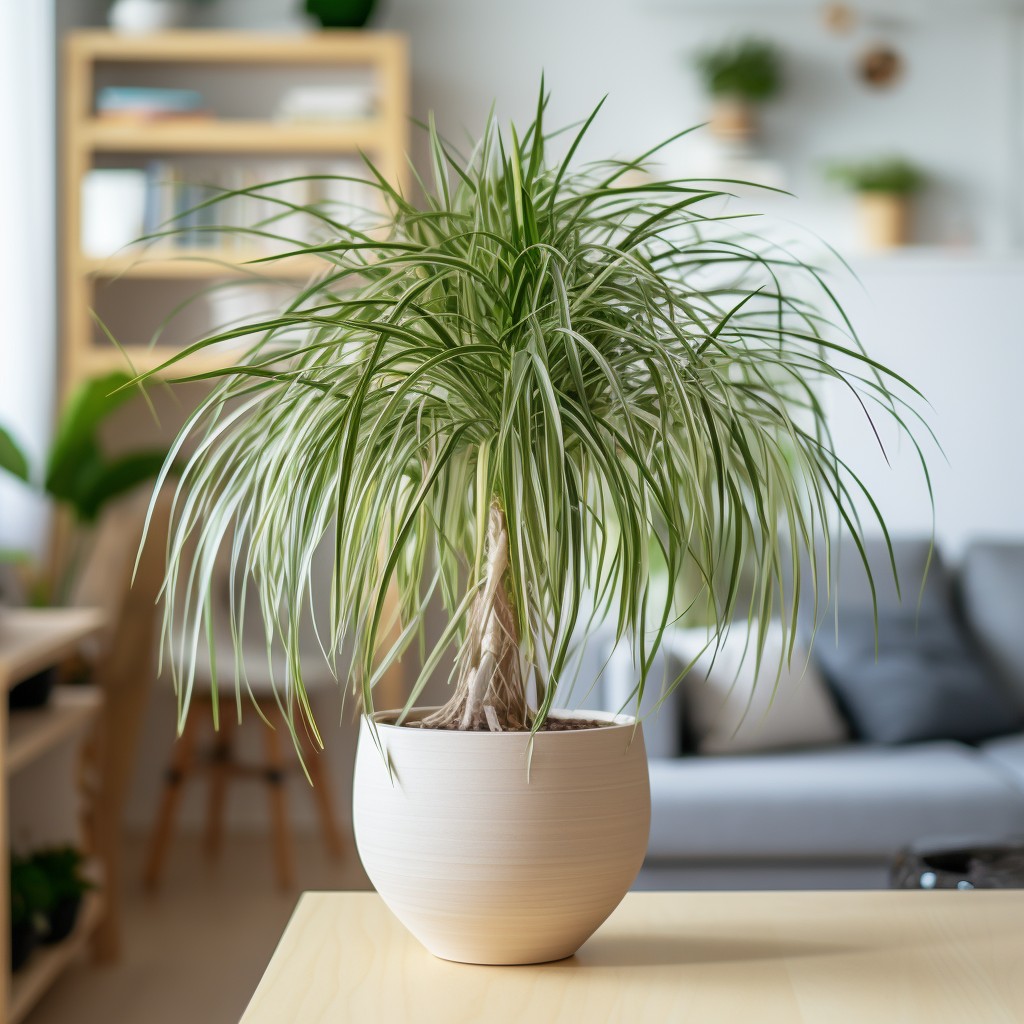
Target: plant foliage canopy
513 400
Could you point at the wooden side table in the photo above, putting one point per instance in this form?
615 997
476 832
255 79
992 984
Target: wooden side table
911 957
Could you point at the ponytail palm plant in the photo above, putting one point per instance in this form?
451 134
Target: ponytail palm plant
513 399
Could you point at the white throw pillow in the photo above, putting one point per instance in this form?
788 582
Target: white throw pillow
728 714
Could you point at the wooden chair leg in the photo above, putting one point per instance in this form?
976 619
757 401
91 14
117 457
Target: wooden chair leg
276 776
220 771
322 796
181 764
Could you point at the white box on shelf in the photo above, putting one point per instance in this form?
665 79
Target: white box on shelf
113 209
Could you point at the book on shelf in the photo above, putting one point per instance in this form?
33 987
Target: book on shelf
330 104
114 203
135 103
185 206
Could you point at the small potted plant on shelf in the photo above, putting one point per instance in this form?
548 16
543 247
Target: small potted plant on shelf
340 13
738 77
491 405
31 898
62 866
884 189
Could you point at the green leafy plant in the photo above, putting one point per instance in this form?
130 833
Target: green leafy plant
12 458
340 13
62 866
78 475
31 894
496 402
892 175
748 69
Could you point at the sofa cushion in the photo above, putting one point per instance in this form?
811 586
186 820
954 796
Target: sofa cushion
922 574
924 682
660 711
845 802
735 705
1007 753
992 593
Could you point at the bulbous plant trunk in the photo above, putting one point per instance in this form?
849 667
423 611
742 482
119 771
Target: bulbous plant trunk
490 692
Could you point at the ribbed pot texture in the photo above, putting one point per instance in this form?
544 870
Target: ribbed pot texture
485 865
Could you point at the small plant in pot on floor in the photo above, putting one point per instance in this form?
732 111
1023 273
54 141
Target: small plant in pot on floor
31 898
63 868
493 402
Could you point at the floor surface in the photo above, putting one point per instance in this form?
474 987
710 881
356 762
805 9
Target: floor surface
195 951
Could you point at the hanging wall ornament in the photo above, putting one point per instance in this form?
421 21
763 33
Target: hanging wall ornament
838 18
880 66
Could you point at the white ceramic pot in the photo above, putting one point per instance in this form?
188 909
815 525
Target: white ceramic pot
486 864
140 17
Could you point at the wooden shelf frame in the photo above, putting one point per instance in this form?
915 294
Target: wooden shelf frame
84 138
32 733
197 264
33 639
234 136
30 984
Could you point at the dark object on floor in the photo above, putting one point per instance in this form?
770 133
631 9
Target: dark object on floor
340 13
33 692
967 864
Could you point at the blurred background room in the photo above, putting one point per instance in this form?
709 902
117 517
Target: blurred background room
888 137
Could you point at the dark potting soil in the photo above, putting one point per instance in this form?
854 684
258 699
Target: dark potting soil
550 725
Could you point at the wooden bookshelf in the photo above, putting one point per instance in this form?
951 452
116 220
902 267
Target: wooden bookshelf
87 141
32 733
225 136
32 640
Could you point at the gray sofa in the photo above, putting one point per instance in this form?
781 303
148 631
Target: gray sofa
835 817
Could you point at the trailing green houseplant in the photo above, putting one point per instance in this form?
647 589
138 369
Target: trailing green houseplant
496 401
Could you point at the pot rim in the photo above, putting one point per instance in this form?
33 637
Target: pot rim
613 720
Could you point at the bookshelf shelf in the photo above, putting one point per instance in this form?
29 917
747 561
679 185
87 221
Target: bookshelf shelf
223 136
90 141
143 358
199 264
30 734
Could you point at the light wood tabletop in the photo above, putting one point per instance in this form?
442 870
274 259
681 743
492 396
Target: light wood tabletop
769 957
